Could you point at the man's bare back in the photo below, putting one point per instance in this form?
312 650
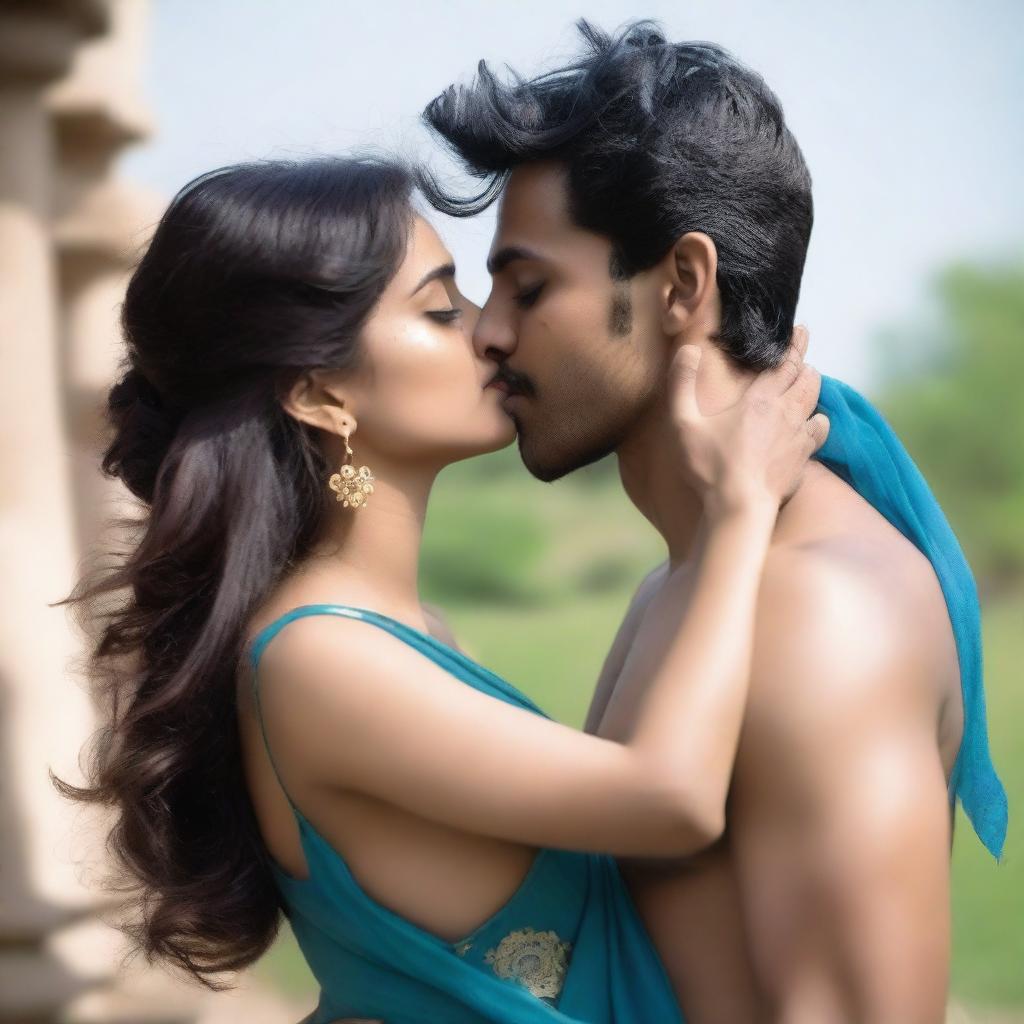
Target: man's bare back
827 898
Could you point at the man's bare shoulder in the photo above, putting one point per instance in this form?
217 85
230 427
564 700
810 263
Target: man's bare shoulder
651 582
837 559
852 630
845 684
621 644
645 591
860 600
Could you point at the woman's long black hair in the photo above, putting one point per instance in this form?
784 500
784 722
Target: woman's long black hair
255 273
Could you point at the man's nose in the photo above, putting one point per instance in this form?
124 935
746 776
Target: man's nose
494 335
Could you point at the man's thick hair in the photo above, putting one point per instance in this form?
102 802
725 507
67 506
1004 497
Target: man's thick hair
658 139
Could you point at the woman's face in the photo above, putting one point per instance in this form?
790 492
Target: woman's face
421 394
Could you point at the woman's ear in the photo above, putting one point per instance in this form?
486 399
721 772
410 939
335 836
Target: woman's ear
690 284
316 399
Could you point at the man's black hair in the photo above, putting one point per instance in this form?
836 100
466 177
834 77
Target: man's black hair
658 139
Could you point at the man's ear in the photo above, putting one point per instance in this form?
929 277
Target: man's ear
316 399
689 283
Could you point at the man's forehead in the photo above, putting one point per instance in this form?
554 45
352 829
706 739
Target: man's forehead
535 198
534 223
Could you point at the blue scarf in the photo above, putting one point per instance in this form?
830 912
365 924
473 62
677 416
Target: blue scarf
863 450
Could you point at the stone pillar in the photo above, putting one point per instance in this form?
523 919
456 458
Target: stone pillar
54 949
100 224
41 718
69 233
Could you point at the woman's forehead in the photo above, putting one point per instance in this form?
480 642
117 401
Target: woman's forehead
425 251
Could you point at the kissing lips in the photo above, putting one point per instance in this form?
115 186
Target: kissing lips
514 385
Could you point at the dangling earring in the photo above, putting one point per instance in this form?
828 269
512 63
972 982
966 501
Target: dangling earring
353 485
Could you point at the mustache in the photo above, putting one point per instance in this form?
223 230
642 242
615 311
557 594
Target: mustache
517 383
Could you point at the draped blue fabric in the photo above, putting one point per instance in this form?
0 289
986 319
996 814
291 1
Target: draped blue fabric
863 449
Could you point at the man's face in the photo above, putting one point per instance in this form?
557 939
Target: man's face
581 349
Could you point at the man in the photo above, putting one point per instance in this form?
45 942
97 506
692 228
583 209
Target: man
651 194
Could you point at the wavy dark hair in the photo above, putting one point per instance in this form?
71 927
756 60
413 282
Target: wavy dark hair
658 139
255 273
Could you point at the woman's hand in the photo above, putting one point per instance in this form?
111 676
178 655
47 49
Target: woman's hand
754 452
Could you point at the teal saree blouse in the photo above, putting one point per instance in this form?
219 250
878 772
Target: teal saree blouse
568 946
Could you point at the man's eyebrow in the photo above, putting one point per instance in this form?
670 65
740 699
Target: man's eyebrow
445 270
503 257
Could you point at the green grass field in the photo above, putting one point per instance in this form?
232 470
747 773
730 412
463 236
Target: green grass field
553 654
988 899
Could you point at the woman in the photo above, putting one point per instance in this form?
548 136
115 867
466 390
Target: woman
297 350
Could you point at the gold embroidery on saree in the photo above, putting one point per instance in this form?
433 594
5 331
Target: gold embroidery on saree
537 959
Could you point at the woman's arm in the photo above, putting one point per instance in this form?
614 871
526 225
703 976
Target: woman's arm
357 709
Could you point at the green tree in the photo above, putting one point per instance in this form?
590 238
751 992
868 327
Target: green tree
953 389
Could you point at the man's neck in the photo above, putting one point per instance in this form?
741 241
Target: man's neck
651 477
649 457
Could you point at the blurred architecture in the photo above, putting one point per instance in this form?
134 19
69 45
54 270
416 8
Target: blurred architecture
69 87
68 74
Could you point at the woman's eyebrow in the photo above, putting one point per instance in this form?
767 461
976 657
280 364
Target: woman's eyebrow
445 270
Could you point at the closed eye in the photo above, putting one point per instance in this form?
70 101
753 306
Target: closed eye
444 316
525 299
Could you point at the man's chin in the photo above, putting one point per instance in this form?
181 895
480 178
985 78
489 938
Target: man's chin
548 466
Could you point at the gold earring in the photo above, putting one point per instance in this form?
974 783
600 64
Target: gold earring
353 486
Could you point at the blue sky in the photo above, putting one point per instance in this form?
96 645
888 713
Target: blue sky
909 115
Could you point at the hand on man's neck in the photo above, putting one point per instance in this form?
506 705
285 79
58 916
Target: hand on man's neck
648 457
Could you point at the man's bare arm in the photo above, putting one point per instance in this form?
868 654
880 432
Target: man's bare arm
840 818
